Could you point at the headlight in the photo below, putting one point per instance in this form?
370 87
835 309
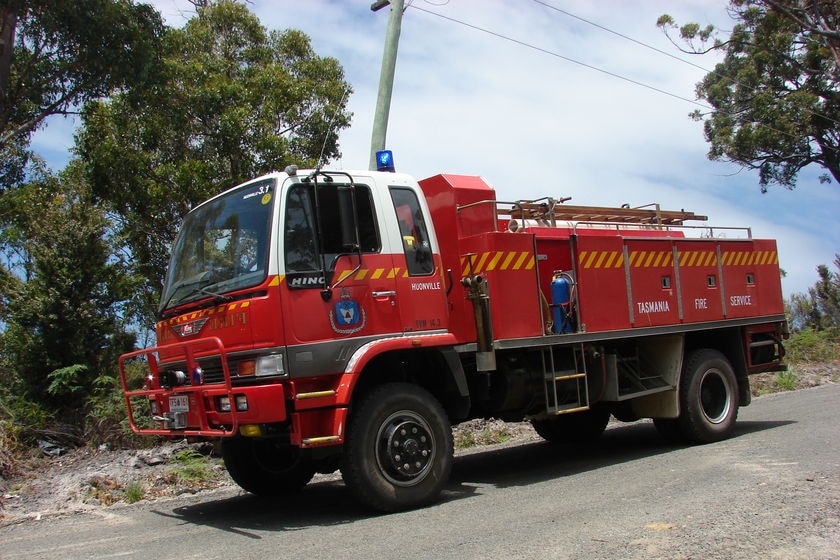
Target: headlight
269 365
223 404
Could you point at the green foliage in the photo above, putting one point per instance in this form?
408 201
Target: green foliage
190 466
236 101
64 300
20 422
134 492
809 346
776 96
786 380
67 380
819 308
106 421
57 54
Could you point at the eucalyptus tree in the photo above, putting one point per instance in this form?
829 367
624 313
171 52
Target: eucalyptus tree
775 97
57 54
235 101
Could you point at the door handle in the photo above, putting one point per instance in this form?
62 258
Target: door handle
390 293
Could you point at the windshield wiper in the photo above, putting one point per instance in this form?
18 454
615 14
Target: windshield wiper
205 278
217 298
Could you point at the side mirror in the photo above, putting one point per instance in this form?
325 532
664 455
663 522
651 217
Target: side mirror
347 218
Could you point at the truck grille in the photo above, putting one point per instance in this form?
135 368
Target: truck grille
212 368
213 372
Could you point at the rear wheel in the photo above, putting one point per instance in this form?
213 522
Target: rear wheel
398 451
708 400
266 467
577 427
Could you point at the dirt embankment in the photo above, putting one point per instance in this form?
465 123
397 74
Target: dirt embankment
81 479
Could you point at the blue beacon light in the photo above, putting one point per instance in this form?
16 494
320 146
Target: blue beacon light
385 161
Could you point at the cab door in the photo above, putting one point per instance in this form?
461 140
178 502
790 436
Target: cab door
332 292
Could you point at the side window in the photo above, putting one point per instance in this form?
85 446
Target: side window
301 252
313 238
415 237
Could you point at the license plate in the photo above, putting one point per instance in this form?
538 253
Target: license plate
181 403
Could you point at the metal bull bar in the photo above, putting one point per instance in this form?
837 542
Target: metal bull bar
181 398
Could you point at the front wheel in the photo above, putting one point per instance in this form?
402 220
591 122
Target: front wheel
266 467
398 451
708 397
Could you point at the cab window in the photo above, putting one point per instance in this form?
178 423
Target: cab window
413 232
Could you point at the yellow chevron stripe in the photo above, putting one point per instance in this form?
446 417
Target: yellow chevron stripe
601 257
521 260
492 264
508 258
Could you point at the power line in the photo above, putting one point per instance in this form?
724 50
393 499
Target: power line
669 55
562 57
601 70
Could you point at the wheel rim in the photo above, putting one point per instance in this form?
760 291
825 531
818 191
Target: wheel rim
405 449
715 396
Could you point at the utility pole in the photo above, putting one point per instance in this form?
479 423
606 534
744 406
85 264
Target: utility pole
386 76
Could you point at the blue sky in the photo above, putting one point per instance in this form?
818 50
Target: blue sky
533 123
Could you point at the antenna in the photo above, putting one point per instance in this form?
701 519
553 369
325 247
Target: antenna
320 161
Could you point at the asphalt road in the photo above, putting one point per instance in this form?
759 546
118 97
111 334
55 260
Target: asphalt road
770 492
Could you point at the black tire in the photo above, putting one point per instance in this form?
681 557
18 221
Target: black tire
576 427
398 451
266 467
708 397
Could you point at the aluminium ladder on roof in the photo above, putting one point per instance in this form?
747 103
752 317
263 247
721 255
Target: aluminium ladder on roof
552 211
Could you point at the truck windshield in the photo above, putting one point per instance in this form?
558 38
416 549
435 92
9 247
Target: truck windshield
222 246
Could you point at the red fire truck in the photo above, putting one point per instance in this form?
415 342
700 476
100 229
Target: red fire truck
315 320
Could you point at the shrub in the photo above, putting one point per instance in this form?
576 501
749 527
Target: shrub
809 345
191 466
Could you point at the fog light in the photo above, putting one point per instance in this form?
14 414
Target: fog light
223 404
250 430
241 403
169 379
